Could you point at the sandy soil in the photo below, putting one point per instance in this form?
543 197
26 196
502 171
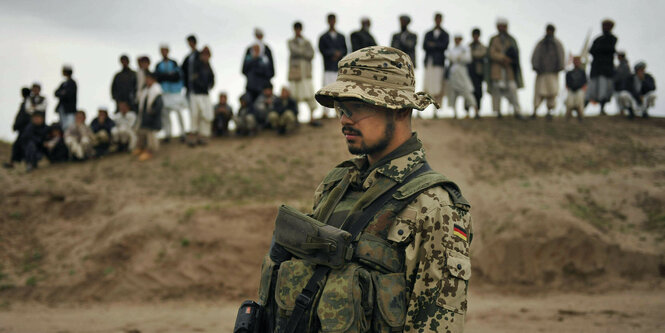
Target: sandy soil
637 311
572 211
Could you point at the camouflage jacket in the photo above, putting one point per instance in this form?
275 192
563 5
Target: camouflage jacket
411 267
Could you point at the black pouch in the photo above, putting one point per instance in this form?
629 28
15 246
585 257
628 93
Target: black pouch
309 239
250 318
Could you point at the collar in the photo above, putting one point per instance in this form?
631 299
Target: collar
396 165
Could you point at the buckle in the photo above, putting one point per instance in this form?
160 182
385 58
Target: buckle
303 300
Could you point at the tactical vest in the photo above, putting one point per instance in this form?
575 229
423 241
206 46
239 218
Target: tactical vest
370 292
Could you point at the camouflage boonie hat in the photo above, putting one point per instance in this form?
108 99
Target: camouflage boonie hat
378 75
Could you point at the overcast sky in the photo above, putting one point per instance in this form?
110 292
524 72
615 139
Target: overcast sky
37 37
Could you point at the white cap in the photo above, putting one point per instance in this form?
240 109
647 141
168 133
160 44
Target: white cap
163 46
458 35
501 21
102 108
37 83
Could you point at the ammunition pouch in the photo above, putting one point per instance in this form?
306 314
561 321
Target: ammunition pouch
311 240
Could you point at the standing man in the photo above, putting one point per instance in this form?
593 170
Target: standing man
203 79
602 66
576 81
332 46
21 121
151 106
435 45
258 65
459 83
505 75
143 63
66 95
169 76
408 268
35 102
547 61
188 68
362 38
301 53
123 88
477 68
405 40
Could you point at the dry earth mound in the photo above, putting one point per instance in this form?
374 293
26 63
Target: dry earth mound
557 206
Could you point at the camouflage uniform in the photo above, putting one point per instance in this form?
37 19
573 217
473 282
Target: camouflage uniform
410 268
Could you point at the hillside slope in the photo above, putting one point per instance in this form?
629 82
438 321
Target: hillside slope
556 206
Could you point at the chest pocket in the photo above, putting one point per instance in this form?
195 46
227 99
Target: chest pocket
378 254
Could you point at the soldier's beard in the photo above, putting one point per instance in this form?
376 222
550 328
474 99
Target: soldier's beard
380 146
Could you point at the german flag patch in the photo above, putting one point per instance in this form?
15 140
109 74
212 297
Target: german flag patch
460 232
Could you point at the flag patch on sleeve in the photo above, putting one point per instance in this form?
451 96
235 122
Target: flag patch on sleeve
460 232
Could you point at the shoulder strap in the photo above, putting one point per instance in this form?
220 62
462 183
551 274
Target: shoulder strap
354 224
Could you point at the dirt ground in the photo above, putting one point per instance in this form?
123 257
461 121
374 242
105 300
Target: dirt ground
639 311
569 223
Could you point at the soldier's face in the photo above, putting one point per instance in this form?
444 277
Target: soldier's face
367 129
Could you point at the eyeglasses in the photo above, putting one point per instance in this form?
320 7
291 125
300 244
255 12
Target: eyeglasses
354 111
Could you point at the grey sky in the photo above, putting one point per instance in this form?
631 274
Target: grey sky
37 37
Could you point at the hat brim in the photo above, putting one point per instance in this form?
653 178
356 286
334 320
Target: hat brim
391 98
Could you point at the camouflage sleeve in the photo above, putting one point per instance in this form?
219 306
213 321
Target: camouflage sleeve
437 262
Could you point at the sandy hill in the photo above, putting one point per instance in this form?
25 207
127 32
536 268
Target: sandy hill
557 206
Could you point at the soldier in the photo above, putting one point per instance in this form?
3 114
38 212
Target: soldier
435 45
405 40
408 267
547 60
477 67
362 38
505 75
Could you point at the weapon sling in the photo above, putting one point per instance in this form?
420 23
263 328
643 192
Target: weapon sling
355 227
